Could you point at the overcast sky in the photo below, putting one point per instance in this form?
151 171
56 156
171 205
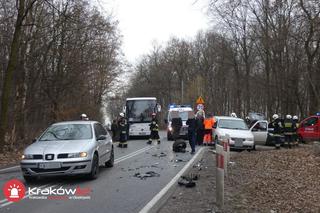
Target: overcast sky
144 22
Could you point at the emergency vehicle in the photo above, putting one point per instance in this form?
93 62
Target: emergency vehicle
183 114
309 128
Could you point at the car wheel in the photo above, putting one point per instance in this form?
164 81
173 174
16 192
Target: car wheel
94 168
110 162
30 179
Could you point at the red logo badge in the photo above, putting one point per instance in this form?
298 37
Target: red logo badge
14 190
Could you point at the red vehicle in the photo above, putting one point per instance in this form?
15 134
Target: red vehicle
309 129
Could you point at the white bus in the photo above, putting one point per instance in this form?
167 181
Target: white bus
138 113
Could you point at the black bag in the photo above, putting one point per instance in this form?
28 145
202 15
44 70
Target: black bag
179 146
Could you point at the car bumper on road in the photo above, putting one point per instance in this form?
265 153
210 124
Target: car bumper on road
244 145
66 168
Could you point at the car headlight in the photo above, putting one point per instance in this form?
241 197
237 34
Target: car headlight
78 155
170 128
26 157
249 139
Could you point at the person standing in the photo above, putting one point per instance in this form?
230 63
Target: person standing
199 128
288 130
154 129
114 129
122 125
191 122
208 126
295 120
276 124
84 117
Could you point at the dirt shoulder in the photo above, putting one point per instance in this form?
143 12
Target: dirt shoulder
285 180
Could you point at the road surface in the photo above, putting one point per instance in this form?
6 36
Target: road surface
116 190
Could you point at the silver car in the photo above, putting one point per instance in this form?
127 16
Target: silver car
240 135
68 148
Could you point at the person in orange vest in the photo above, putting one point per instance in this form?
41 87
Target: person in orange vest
208 125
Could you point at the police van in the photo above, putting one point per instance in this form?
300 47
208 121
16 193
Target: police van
183 111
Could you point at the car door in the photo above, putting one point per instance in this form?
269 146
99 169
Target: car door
310 128
260 132
102 144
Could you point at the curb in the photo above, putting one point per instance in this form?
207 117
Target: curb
160 199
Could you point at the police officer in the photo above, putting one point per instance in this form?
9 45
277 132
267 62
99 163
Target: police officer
122 125
288 130
276 124
295 120
154 128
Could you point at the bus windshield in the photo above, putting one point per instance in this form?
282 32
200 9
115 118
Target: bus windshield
140 111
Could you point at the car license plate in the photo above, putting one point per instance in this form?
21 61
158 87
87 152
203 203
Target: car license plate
142 133
238 143
52 165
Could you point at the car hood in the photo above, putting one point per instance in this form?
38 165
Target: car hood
235 133
54 147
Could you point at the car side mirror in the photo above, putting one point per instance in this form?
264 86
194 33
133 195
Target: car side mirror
102 137
34 140
215 125
254 130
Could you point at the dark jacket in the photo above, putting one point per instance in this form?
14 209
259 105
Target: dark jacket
191 122
154 125
277 126
199 124
288 126
122 124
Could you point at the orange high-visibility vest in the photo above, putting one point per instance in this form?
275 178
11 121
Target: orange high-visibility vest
208 123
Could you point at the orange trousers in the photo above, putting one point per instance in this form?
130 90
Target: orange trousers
207 139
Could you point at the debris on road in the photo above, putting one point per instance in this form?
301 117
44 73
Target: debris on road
146 175
162 154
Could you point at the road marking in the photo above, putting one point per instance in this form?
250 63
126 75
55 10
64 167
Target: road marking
158 196
133 154
123 158
9 168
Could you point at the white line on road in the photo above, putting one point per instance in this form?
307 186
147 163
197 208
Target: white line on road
9 168
158 196
133 154
123 158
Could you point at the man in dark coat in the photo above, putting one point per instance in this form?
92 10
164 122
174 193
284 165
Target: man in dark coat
191 122
199 128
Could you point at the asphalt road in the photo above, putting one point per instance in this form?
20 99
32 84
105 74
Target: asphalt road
116 189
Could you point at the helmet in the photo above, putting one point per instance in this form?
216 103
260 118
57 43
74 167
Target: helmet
84 117
121 114
295 117
288 116
275 116
233 115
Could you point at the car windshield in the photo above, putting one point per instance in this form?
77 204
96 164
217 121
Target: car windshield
183 115
232 124
67 132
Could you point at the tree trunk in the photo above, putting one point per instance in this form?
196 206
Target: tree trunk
7 84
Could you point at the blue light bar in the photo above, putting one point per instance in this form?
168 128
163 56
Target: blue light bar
172 106
318 113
